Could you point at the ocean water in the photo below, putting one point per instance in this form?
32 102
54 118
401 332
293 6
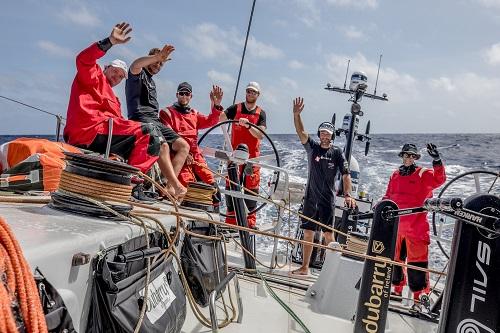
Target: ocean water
461 153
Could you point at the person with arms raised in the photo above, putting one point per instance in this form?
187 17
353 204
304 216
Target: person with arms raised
324 162
409 186
142 105
93 102
186 121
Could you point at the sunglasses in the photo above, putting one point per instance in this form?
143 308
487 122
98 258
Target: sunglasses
252 92
409 155
184 93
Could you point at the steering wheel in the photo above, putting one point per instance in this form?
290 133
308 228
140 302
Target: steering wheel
275 156
468 183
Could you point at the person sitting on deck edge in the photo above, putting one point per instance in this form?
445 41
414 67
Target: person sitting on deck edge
186 121
142 105
93 102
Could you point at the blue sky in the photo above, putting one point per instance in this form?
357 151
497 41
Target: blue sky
440 66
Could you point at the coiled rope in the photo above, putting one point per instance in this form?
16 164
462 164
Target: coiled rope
200 195
18 288
92 187
136 219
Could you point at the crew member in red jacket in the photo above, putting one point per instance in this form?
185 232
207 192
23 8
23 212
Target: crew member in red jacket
409 187
241 132
186 121
92 102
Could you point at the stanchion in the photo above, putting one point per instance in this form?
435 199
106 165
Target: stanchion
373 301
472 294
241 216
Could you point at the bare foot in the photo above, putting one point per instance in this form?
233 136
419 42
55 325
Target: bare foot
180 191
177 191
300 272
170 190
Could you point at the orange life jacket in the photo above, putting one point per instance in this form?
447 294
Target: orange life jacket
240 134
32 164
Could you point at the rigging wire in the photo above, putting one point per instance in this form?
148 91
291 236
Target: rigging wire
244 51
33 107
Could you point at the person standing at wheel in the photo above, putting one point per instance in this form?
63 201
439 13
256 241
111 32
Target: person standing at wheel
242 133
186 121
324 161
409 186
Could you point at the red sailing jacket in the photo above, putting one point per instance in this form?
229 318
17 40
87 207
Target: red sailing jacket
188 124
92 100
240 134
411 191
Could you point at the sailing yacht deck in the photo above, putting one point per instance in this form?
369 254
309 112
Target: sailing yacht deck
49 239
261 313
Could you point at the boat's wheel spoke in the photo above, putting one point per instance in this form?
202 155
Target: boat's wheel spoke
464 185
220 141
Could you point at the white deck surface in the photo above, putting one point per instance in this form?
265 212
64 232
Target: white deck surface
262 314
50 238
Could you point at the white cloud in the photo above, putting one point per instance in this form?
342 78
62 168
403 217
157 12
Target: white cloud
54 49
220 78
442 83
475 87
79 14
124 53
153 40
462 96
215 42
166 91
226 45
263 51
361 4
295 64
351 32
47 91
489 3
308 12
289 83
492 55
269 97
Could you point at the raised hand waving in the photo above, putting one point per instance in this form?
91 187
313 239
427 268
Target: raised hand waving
119 34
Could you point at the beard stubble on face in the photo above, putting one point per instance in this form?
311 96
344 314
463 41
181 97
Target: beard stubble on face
113 77
325 142
251 99
153 68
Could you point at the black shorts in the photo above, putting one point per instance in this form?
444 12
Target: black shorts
168 134
319 211
123 140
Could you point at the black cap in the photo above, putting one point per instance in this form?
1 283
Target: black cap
409 148
184 86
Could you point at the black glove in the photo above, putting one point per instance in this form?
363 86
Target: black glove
433 152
